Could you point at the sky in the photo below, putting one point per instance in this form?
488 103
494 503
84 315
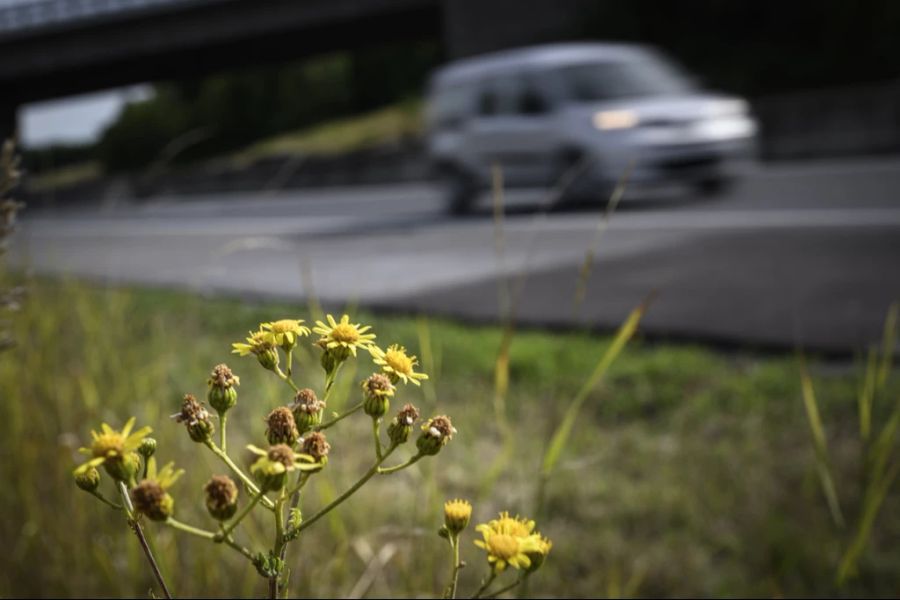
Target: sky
75 119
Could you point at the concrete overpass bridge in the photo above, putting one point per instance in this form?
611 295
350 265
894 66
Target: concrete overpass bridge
53 48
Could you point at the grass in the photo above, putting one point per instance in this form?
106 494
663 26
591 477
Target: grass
383 126
64 177
688 472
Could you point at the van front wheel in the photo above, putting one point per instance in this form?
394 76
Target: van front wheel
459 192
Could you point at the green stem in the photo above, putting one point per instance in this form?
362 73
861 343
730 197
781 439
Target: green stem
507 588
136 528
209 535
223 419
280 542
485 584
454 567
376 428
106 500
286 379
176 524
226 531
237 471
341 416
337 501
413 460
290 362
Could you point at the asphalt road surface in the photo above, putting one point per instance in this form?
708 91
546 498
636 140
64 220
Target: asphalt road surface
800 255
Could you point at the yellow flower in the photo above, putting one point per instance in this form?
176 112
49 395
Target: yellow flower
540 552
114 449
344 335
509 541
397 364
285 332
257 343
456 515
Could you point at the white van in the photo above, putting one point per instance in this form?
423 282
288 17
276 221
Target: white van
587 109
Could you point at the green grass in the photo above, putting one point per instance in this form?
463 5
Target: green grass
689 472
386 125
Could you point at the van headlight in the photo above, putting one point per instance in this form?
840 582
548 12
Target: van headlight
730 108
615 119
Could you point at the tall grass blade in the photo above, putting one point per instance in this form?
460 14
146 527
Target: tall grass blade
866 396
564 430
820 445
871 505
584 272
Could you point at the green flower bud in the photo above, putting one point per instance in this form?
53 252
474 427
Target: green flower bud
147 448
271 470
307 410
400 426
221 497
376 406
268 358
280 427
151 499
123 468
88 479
222 394
195 418
436 433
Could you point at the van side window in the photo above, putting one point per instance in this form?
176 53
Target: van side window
531 101
488 104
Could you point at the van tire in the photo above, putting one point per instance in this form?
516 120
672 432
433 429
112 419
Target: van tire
459 191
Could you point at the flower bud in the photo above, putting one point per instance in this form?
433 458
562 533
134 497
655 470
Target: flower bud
315 445
149 498
268 358
377 392
195 418
436 433
221 497
456 515
271 470
280 427
307 410
123 468
88 479
222 394
147 448
401 426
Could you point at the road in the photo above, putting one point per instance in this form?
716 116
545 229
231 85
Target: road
800 255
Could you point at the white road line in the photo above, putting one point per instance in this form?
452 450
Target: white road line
665 220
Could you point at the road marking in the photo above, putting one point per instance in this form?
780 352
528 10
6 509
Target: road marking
679 220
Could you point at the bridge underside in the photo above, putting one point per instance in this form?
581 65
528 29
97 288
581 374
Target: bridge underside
202 38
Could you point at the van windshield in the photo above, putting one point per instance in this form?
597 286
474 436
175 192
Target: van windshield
591 82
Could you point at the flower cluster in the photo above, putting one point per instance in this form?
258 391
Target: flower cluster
297 444
507 542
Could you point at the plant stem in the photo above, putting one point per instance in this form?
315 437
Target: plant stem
286 379
106 500
454 567
387 470
226 531
341 416
376 427
507 588
485 584
209 535
223 419
237 471
290 362
350 491
279 541
136 528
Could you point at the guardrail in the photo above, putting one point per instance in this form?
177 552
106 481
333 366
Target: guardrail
33 14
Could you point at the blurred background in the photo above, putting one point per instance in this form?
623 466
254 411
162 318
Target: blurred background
457 171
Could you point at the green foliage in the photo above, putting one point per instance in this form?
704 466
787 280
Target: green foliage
689 472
